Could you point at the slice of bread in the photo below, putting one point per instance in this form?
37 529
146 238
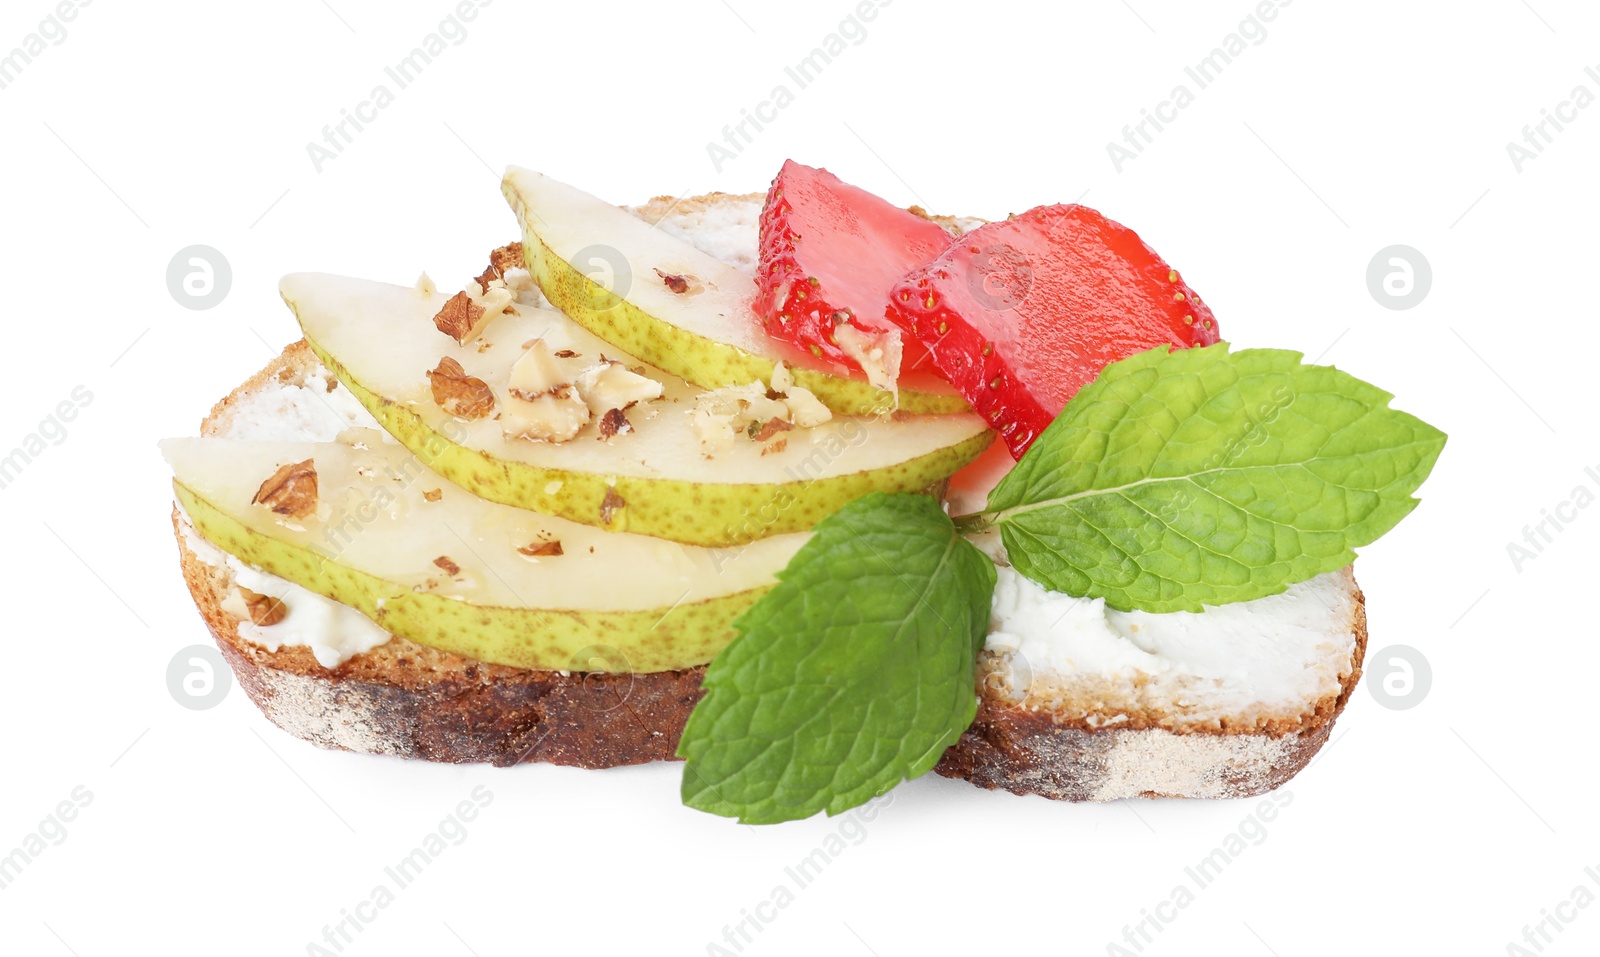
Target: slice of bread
1089 736
1074 736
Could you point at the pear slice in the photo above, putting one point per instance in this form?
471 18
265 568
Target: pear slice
432 563
655 479
707 334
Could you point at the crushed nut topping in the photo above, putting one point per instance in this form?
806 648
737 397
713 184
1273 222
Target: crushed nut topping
773 448
614 422
609 385
459 394
434 495
507 258
610 506
265 610
460 317
563 353
678 284
450 567
764 431
756 411
291 491
501 261
548 549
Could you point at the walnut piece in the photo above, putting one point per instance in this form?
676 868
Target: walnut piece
548 549
434 495
265 610
450 567
677 284
614 422
461 318
501 262
291 491
507 258
764 431
459 394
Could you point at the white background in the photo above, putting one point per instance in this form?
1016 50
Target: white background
1352 126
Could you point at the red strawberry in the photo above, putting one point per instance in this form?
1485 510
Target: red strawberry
1021 314
829 254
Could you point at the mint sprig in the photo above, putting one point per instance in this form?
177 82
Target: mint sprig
854 673
1203 476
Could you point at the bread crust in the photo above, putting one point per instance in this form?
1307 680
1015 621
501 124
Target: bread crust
413 701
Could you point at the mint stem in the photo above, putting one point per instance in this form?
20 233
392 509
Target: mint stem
974 524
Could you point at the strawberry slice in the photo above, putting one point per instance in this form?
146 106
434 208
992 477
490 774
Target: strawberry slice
829 254
1021 314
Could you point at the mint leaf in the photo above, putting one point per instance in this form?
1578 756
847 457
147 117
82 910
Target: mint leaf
853 673
1204 477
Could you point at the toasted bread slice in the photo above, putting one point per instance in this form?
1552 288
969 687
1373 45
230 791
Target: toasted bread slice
1085 736
1074 737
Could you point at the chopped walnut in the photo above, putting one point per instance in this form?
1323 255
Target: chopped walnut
548 549
461 318
459 394
291 491
501 261
434 495
756 411
265 610
563 353
609 385
610 506
450 567
773 448
544 405
678 284
507 258
614 422
764 431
